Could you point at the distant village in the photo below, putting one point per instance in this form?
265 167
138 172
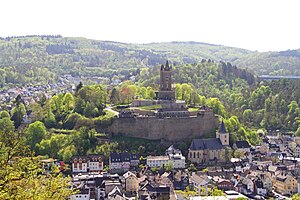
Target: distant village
32 92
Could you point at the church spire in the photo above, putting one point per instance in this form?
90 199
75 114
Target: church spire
222 128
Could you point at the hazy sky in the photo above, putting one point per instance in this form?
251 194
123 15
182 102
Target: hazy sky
262 25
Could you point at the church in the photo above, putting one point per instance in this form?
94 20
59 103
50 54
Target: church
211 149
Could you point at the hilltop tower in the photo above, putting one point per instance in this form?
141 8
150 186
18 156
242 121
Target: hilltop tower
223 135
165 89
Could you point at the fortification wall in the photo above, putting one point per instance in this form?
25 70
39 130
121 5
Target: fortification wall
171 129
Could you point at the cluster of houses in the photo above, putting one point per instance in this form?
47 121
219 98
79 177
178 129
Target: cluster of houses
267 170
125 179
31 93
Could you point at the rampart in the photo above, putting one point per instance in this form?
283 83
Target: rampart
168 128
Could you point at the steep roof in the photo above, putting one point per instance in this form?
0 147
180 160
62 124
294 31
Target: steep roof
127 174
206 144
242 144
222 128
120 157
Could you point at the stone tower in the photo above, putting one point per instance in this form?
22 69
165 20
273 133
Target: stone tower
165 89
223 135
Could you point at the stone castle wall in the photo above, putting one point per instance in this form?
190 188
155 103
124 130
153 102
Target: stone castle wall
171 129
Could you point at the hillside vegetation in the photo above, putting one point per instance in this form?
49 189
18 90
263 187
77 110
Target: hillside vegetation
40 58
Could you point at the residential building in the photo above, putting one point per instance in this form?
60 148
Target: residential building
286 184
224 184
79 164
121 162
90 163
180 180
242 145
259 188
297 151
247 186
199 182
84 194
131 182
176 157
157 161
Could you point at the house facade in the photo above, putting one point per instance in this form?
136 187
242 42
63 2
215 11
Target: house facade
121 162
286 184
157 161
131 182
90 163
176 157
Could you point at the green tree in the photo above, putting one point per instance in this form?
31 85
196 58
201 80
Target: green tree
6 125
50 121
79 105
114 96
238 154
22 176
4 114
68 102
192 168
150 93
217 106
169 166
17 114
79 86
35 133
217 192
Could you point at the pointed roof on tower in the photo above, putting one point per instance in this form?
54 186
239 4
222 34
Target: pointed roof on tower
222 128
167 67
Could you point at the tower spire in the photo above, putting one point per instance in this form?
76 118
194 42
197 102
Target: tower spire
222 128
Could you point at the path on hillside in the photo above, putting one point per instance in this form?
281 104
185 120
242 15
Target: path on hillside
109 108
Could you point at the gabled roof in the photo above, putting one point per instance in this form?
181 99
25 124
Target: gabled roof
242 144
198 179
119 157
206 144
128 174
115 192
281 178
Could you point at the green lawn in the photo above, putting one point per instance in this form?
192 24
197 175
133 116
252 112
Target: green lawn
193 109
152 107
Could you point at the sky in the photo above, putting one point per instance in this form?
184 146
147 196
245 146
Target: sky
261 25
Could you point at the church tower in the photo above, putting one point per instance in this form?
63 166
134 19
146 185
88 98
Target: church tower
165 89
223 135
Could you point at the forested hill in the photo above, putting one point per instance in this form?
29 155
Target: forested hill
81 56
